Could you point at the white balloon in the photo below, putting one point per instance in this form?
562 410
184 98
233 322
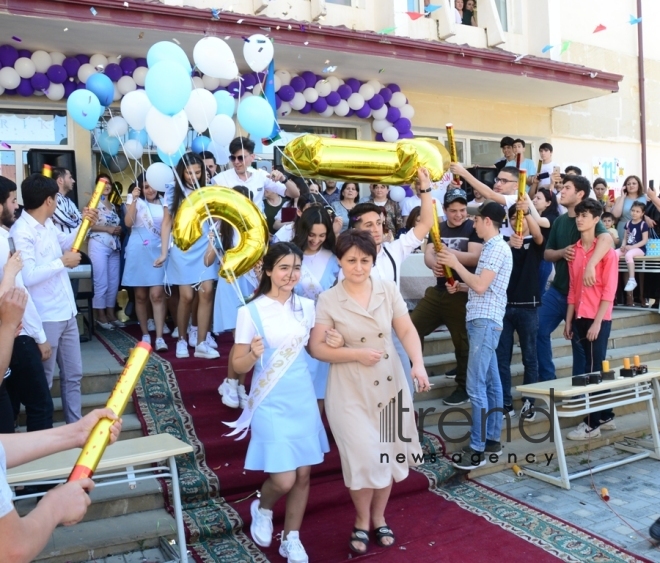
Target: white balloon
397 193
407 111
298 101
224 82
214 57
258 89
85 71
284 76
126 84
367 92
285 109
342 108
198 82
390 134
328 112
55 92
159 176
25 67
258 51
139 75
380 125
9 78
398 100
133 149
210 83
311 95
167 132
323 87
113 60
377 86
41 60
134 108
334 83
117 127
379 113
98 60
247 95
200 109
277 82
2 91
117 95
222 129
355 101
57 58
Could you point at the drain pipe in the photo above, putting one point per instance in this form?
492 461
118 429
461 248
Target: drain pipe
642 91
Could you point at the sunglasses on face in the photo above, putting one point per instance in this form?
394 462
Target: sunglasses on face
234 158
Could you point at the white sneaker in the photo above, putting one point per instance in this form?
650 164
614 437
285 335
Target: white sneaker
161 346
175 332
151 325
631 285
608 425
293 549
211 341
166 329
203 350
182 349
583 432
146 338
229 391
261 527
192 337
242 397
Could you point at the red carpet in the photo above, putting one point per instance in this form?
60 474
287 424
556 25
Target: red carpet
428 528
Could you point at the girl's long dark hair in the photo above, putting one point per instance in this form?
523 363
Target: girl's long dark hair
275 253
553 208
187 160
303 226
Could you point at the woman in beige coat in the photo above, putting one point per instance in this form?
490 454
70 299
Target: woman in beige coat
367 393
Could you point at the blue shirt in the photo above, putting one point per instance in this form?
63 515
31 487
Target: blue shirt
496 257
527 164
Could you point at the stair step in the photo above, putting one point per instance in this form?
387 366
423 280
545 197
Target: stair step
90 401
131 427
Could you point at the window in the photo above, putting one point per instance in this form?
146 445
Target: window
486 153
342 2
33 127
502 11
460 149
8 164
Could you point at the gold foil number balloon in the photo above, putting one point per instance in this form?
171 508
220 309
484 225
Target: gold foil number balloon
233 207
365 161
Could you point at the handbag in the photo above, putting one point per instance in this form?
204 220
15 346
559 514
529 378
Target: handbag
653 244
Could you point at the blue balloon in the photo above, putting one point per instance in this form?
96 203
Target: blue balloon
200 144
168 51
168 86
172 159
84 108
102 86
107 144
256 116
139 136
226 103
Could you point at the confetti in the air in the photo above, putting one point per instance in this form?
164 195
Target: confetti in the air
431 8
93 10
240 21
16 38
414 15
565 45
5 145
634 21
599 27
387 30
66 29
547 48
330 69
215 13
518 58
176 40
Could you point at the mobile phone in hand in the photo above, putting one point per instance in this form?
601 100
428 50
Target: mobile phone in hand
289 214
12 247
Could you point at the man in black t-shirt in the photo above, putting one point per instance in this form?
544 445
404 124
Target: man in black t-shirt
439 307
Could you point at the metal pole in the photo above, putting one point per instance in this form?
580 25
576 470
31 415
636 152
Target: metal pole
642 91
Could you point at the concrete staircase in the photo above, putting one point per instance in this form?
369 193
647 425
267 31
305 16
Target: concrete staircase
120 519
633 333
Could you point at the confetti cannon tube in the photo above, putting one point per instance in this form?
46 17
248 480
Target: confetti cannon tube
86 224
437 244
539 166
516 469
453 154
520 216
47 171
604 494
100 436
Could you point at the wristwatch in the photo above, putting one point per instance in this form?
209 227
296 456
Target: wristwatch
426 191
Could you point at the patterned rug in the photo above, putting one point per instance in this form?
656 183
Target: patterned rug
214 528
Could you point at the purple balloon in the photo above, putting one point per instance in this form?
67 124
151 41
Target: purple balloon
83 59
70 87
249 82
408 190
297 83
344 91
364 111
307 108
320 105
386 94
24 53
351 113
402 125
393 115
353 84
141 61
25 88
234 88
39 81
128 65
394 87
80 86
11 92
286 93
406 135
113 72
376 102
278 101
333 99
57 74
379 137
8 55
71 65
310 79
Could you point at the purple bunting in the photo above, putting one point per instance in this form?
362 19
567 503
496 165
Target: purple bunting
402 125
298 84
128 65
333 99
394 88
83 59
287 93
393 115
39 81
353 84
57 74
25 88
344 91
320 105
71 65
376 102
310 79
8 55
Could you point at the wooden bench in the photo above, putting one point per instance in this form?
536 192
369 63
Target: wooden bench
124 456
643 265
563 400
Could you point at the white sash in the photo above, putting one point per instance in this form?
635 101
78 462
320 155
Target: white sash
146 217
311 287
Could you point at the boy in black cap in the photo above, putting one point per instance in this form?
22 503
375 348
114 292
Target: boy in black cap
438 307
485 310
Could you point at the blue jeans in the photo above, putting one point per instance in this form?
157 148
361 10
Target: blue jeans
483 382
524 321
544 273
551 314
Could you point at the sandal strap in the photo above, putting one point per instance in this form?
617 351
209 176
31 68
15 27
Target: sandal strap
384 531
360 535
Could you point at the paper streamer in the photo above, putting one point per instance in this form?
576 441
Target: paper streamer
86 224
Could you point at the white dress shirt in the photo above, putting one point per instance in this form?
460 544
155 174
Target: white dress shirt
44 274
31 320
257 182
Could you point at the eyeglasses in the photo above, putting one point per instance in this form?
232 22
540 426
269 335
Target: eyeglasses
234 158
499 180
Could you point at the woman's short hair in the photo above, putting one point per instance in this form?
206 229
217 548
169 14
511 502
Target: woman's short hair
362 240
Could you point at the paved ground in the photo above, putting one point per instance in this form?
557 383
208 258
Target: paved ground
147 556
634 503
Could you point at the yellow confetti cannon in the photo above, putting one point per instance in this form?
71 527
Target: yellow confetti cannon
516 469
453 154
604 494
99 438
86 224
520 215
539 166
47 171
437 243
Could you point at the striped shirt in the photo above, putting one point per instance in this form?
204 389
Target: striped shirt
67 217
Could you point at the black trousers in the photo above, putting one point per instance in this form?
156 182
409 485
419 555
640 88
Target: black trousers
6 411
27 385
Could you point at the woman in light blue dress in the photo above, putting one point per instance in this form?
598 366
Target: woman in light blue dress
287 435
186 269
315 237
632 192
